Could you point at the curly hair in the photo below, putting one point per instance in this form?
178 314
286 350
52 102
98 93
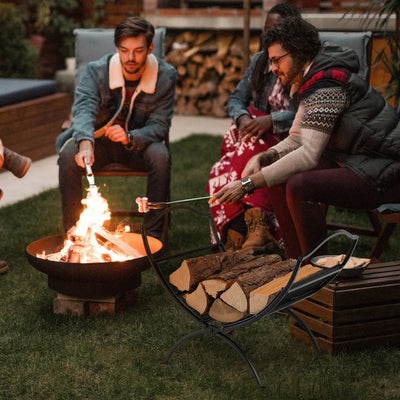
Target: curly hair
285 10
296 36
259 76
133 27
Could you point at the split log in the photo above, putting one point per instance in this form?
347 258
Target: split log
237 295
261 296
197 59
194 270
214 287
203 37
236 298
223 312
223 42
198 299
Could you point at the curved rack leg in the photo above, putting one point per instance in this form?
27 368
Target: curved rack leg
243 355
207 331
304 327
183 339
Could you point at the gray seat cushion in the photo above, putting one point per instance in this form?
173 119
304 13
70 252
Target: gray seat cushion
16 90
358 41
92 44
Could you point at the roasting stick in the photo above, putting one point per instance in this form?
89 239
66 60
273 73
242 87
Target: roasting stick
89 175
144 205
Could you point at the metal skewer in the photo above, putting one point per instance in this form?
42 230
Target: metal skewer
89 175
145 205
155 205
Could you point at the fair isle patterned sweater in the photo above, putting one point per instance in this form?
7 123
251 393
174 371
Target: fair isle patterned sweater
337 113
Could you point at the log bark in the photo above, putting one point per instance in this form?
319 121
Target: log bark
194 270
268 261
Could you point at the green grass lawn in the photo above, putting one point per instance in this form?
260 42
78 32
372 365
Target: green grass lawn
48 356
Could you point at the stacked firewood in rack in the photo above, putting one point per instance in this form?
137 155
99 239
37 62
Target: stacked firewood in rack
228 286
209 66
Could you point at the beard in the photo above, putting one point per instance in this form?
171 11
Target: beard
132 67
293 75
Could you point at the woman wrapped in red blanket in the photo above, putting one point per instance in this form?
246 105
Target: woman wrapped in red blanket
251 221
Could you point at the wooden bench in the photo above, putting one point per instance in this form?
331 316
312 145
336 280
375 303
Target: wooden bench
354 314
29 122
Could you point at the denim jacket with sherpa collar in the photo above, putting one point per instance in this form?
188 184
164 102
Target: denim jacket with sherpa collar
100 96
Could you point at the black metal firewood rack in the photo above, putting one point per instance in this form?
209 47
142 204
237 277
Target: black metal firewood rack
290 294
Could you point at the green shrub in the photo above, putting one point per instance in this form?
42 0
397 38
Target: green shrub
18 58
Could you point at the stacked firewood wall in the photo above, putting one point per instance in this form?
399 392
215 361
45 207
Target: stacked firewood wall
209 65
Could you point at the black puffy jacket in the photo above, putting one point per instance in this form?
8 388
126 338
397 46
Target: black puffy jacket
366 138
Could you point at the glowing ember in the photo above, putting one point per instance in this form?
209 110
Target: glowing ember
83 244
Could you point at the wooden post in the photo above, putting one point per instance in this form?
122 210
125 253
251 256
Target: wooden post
246 32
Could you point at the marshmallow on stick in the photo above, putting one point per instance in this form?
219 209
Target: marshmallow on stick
143 204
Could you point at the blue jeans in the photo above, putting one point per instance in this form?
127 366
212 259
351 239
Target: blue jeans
155 160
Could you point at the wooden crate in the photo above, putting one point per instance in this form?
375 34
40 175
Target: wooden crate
354 314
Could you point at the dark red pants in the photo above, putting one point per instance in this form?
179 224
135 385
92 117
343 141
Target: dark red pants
300 204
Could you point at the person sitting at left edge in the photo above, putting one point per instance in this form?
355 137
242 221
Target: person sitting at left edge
19 166
121 114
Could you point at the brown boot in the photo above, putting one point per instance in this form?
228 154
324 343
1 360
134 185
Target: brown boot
234 240
258 233
16 163
3 267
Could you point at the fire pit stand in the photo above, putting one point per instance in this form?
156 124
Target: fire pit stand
89 288
290 294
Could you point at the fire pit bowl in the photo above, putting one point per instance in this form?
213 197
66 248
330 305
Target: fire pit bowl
91 280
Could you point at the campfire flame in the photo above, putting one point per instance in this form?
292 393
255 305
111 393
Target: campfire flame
82 244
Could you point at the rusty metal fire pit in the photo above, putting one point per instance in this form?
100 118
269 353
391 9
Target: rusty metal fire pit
91 280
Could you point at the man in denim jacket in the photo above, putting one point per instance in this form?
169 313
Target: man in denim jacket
122 114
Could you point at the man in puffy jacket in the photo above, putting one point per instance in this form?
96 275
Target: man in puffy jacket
121 114
343 148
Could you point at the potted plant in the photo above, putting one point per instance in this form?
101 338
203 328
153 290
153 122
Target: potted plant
19 57
36 14
379 12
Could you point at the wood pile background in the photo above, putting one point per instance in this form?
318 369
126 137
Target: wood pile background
209 64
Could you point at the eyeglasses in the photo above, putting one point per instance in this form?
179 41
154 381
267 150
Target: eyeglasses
275 61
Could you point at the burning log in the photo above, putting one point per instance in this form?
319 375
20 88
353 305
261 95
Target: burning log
124 246
83 244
